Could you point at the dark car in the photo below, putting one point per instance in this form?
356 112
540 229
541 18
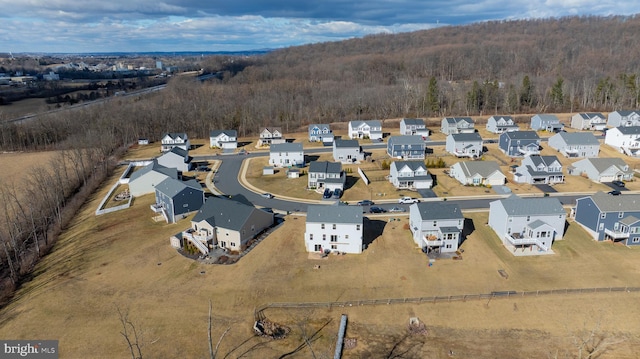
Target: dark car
377 210
337 193
618 183
365 202
327 193
615 192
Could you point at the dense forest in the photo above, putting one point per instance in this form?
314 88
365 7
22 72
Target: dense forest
508 67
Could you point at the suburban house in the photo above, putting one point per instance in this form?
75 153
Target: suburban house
225 139
143 141
591 121
270 135
544 122
334 228
625 139
528 223
175 139
451 125
436 226
347 151
623 118
406 147
519 143
325 174
320 133
610 218
410 175
464 144
478 173
225 223
175 199
176 158
144 180
365 129
575 144
414 126
501 124
602 169
536 169
286 154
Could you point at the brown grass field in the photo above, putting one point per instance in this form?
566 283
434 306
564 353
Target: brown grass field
124 260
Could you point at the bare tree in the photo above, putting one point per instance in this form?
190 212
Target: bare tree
132 335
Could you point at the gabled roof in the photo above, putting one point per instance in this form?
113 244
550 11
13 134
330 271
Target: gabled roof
516 206
413 165
325 167
602 164
629 130
340 143
626 113
230 133
286 147
590 115
578 138
547 117
629 220
506 118
608 203
175 135
406 140
154 166
413 121
466 137
437 210
536 224
521 135
456 120
545 160
171 187
370 123
336 213
320 126
225 213
482 168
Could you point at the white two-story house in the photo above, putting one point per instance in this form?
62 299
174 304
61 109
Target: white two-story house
625 139
286 154
410 175
591 121
623 118
464 145
365 129
334 228
436 226
174 139
575 144
501 124
536 169
225 139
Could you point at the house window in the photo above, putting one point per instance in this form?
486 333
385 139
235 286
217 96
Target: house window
334 246
322 226
317 248
346 236
357 227
334 226
435 223
233 244
448 246
636 240
311 236
620 214
603 215
334 238
601 227
324 237
528 218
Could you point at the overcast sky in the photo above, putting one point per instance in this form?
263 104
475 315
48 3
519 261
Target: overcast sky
72 26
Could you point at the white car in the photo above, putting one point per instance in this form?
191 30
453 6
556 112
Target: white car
408 200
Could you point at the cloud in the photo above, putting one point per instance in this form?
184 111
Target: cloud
195 25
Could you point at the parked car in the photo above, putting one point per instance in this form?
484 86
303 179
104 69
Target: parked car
397 210
408 200
618 183
365 202
377 210
327 193
615 192
267 195
337 193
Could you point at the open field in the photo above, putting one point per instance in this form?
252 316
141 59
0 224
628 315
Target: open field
16 164
123 260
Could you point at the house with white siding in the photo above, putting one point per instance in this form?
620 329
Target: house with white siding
478 173
286 155
625 139
334 228
527 225
590 121
144 180
270 135
414 126
174 139
436 227
347 151
519 143
176 158
602 169
501 124
410 175
365 129
575 144
536 169
225 139
623 118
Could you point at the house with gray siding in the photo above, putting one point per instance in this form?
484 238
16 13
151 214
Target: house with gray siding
226 223
545 122
286 154
176 199
610 218
406 147
410 175
451 125
325 174
176 158
144 180
527 225
414 126
623 118
436 226
477 173
174 139
602 169
536 169
501 124
464 144
590 121
519 143
575 144
347 151
320 132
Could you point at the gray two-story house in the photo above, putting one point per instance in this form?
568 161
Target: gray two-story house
592 121
623 118
347 151
320 132
613 218
575 144
175 199
528 225
464 144
519 143
546 122
536 169
450 125
413 126
406 147
436 226
325 174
